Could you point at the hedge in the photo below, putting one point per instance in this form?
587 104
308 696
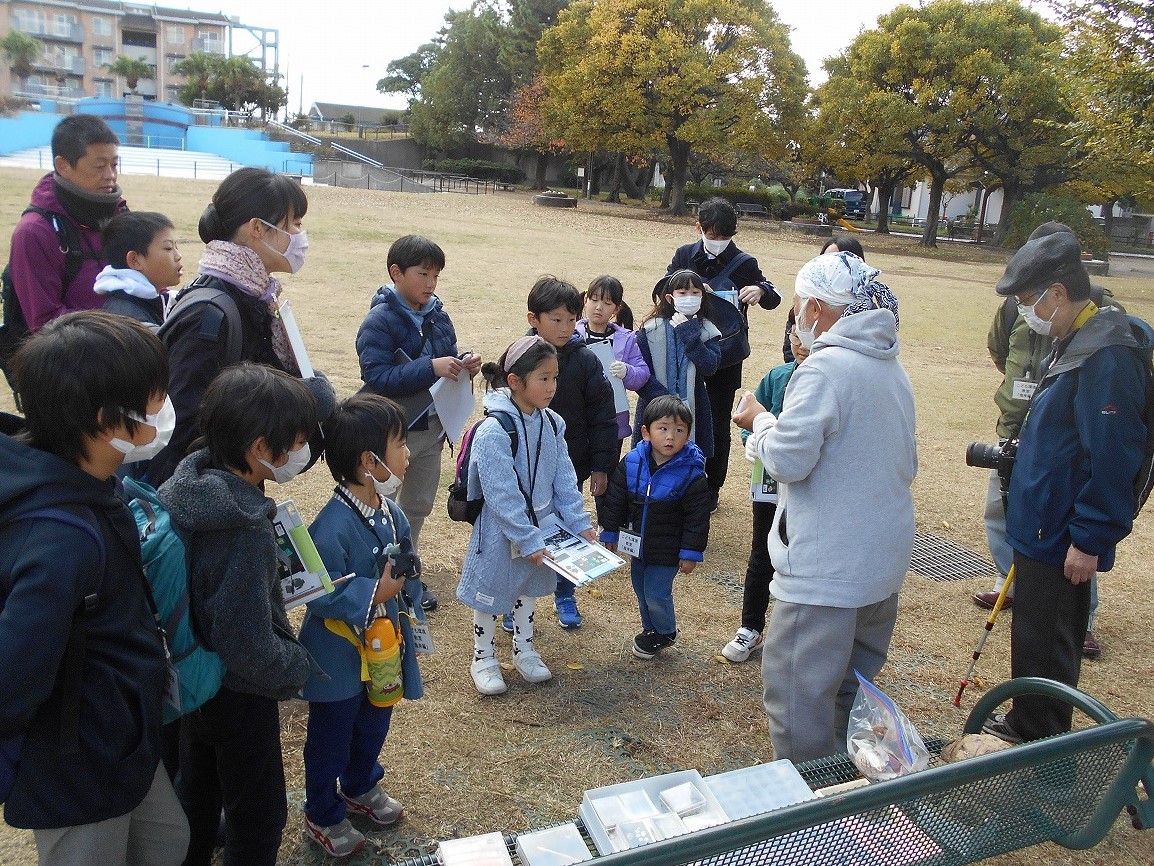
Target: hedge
477 168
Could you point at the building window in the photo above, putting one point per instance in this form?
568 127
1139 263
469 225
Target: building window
102 56
172 94
209 41
175 35
104 87
101 26
171 62
64 25
29 20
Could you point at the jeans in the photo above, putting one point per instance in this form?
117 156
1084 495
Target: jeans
344 742
653 585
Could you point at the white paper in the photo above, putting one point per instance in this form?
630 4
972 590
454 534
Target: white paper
454 401
574 558
298 344
604 352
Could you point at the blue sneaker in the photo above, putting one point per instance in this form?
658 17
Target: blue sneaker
567 613
507 623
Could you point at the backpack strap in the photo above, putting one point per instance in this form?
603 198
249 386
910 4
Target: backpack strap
71 674
736 262
71 244
221 312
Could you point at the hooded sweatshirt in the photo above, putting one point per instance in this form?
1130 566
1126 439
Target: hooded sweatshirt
233 587
844 454
128 292
47 569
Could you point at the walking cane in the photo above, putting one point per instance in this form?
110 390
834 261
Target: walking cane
990 620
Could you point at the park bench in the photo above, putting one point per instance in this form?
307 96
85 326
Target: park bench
747 209
1067 789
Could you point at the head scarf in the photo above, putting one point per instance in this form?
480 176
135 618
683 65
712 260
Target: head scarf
844 280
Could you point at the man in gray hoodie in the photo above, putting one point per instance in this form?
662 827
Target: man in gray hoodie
844 454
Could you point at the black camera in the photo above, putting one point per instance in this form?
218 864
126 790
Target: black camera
999 457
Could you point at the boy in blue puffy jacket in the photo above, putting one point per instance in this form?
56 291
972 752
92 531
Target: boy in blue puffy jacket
657 510
407 342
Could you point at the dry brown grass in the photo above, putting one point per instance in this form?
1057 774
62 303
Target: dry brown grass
464 764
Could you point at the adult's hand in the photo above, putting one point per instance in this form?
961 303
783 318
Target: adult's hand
747 410
1080 566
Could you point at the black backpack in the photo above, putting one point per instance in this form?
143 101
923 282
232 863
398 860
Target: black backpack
15 327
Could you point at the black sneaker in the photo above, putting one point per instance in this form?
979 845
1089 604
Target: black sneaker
649 643
998 725
428 598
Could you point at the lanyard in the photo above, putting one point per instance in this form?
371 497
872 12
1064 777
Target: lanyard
532 467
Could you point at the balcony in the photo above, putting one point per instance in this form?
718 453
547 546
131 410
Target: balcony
207 46
60 63
49 32
51 91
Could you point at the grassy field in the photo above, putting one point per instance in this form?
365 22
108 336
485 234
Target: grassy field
463 764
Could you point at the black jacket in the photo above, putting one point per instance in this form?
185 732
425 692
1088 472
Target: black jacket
585 400
694 257
197 351
47 568
667 505
150 312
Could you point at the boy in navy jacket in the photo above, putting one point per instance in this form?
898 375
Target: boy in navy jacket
405 344
584 399
657 510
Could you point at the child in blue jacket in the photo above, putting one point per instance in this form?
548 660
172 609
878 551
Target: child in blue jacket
405 344
354 533
657 511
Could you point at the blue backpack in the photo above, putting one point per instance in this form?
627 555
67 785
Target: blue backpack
198 669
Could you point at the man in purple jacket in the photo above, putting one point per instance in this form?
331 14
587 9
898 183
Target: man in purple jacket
56 247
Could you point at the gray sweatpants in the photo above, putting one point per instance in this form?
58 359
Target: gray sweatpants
155 833
423 477
808 666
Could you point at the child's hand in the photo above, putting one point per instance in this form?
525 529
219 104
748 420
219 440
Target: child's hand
618 369
686 566
448 367
590 535
750 294
611 546
472 363
537 557
388 587
598 483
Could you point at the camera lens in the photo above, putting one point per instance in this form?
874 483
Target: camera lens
983 454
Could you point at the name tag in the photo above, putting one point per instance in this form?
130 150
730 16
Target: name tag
422 637
629 543
1024 390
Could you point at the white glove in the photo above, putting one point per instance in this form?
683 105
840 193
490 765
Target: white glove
618 369
677 318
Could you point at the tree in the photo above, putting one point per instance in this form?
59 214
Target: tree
20 50
406 74
684 76
951 85
236 83
525 129
131 70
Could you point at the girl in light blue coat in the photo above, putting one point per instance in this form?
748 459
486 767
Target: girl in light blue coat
504 567
354 534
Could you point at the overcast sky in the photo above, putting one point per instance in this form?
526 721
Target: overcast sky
341 47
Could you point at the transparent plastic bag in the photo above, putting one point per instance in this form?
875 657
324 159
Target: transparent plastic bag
882 742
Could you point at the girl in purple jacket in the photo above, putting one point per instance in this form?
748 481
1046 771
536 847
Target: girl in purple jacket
608 317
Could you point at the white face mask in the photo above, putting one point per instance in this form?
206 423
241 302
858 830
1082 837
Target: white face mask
298 245
714 248
163 421
805 336
687 305
388 488
1035 323
297 461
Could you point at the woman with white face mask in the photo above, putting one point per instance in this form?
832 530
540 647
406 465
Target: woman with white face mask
228 314
681 347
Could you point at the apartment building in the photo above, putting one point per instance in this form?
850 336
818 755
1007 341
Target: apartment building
81 39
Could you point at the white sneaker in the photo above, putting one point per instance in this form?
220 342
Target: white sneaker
531 667
743 644
487 676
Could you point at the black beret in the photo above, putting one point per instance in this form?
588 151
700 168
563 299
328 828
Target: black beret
1041 262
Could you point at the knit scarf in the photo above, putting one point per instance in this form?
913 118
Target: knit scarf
90 209
243 268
